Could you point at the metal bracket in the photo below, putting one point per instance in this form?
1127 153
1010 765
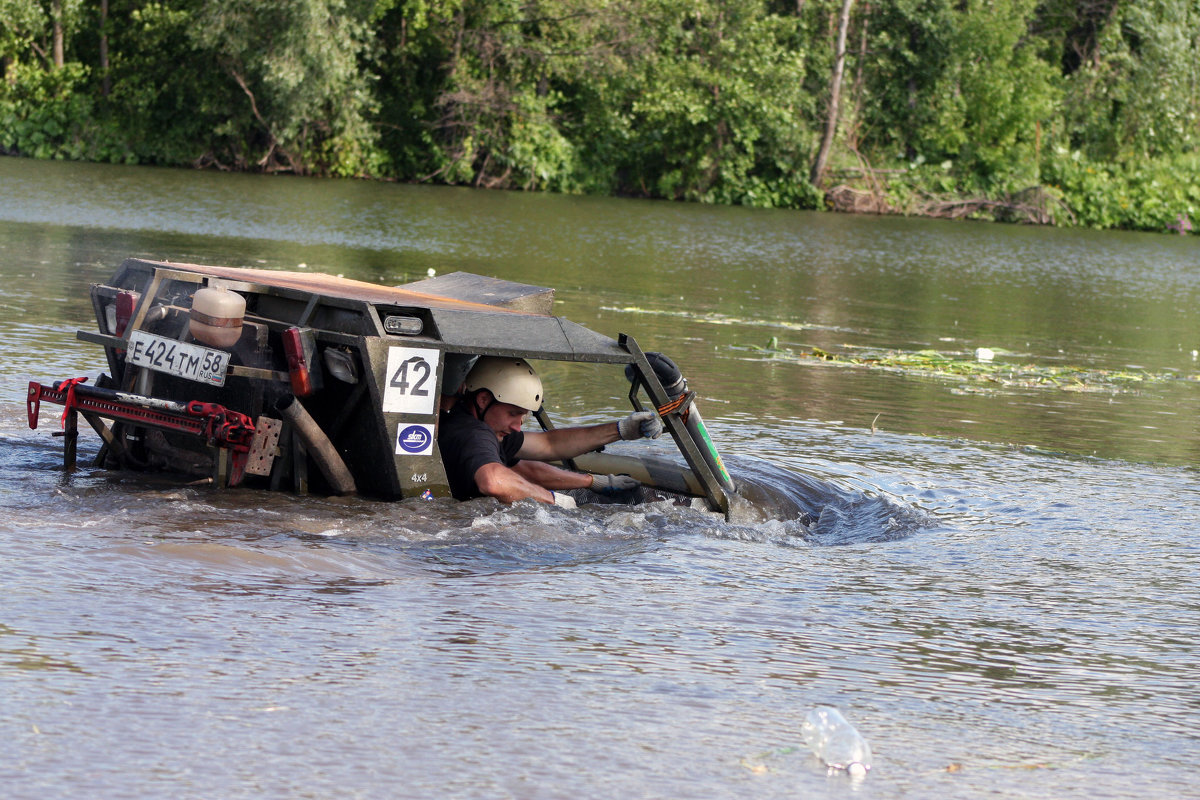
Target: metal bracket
264 446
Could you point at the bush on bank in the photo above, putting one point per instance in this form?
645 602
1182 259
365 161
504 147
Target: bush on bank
1160 194
1155 194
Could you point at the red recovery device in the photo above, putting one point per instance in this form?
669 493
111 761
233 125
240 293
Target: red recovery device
220 427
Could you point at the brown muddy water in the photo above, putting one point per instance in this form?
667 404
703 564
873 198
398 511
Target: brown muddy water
1002 593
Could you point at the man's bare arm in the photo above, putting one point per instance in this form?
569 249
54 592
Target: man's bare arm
563 443
508 486
552 477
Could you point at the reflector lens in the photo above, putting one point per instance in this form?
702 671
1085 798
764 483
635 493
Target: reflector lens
126 304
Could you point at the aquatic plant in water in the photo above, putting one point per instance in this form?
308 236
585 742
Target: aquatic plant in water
989 373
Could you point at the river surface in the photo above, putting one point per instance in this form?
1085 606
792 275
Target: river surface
1001 593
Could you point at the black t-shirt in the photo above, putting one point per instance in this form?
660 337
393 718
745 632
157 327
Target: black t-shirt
467 444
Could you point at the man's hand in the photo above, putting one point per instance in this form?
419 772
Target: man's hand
610 484
563 500
639 424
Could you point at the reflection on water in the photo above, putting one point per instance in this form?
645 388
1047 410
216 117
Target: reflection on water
999 590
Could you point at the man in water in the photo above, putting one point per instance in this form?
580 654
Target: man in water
486 453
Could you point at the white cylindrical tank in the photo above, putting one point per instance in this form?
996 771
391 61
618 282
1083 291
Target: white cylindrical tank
216 317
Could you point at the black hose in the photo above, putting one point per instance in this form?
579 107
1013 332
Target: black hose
323 452
665 370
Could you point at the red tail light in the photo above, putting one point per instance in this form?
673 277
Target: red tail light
126 303
301 378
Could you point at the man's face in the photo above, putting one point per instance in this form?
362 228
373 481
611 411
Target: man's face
505 418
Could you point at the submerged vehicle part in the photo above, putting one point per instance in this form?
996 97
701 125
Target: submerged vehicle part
249 376
319 447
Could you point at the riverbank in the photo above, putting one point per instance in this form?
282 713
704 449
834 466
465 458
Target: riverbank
1155 195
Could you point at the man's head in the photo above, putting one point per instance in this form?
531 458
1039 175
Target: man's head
502 391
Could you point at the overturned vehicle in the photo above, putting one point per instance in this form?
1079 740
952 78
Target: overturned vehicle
305 382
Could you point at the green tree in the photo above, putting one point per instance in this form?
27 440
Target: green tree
668 98
45 110
970 84
1134 90
306 103
410 55
908 54
496 82
21 33
833 113
38 30
715 109
166 99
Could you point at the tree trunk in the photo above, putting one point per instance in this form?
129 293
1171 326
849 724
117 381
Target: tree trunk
105 80
56 13
835 92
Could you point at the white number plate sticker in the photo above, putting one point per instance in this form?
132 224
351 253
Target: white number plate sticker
411 380
189 361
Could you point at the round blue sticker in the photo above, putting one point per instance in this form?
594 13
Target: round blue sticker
413 439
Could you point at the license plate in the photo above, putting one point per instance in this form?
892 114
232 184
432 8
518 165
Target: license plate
190 361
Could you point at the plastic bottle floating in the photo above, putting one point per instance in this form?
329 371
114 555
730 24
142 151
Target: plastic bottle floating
835 741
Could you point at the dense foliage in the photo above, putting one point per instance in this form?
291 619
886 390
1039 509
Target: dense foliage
1073 111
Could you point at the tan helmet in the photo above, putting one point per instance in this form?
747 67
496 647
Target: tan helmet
510 380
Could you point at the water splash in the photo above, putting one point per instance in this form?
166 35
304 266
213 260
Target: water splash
821 511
